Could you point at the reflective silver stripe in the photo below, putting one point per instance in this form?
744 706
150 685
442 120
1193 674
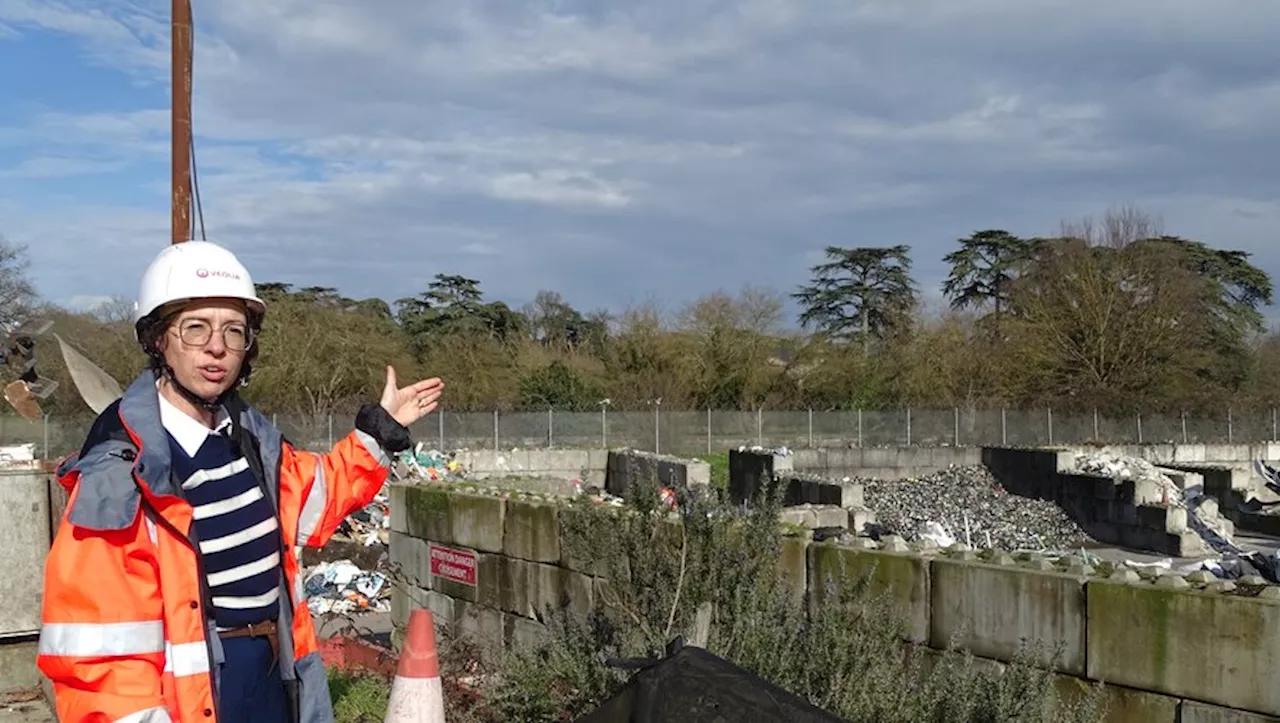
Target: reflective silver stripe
186 659
373 448
313 508
299 585
151 527
150 715
102 639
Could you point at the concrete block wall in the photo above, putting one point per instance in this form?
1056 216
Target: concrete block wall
1130 513
555 470
883 462
811 501
1170 649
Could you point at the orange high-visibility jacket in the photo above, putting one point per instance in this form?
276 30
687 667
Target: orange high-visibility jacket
127 632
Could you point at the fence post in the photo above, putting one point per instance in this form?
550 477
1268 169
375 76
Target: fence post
330 425
859 426
1231 428
1275 431
274 423
46 435
1097 437
440 426
1004 427
495 430
908 426
708 430
1049 413
1185 440
551 427
957 427
1139 427
604 427
657 425
810 427
760 426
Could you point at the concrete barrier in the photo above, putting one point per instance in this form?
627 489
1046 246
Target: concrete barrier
553 471
1176 649
883 462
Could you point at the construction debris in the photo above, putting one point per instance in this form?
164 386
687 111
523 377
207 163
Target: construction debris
967 504
342 587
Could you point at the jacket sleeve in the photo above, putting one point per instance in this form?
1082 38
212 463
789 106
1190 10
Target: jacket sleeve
102 639
345 479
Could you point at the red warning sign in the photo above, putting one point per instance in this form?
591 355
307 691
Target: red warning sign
453 564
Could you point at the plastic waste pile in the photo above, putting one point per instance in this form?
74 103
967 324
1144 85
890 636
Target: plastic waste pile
371 525
432 465
343 588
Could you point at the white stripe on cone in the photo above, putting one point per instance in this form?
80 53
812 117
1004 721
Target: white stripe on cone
416 693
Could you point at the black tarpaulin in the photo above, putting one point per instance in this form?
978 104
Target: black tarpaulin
694 686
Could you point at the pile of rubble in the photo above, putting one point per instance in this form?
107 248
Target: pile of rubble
967 505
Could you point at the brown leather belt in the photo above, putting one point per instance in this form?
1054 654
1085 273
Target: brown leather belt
265 629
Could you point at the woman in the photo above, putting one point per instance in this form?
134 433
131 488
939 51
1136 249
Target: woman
172 589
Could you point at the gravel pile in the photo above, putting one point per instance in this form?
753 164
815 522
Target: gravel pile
995 518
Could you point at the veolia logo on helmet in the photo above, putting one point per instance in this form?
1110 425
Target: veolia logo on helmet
217 273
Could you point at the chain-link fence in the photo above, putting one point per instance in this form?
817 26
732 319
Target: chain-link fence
708 431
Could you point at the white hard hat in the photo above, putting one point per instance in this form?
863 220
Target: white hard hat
194 270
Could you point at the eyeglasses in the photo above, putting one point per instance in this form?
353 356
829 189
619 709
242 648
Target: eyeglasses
235 336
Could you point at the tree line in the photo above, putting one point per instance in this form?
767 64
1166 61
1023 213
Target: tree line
1115 316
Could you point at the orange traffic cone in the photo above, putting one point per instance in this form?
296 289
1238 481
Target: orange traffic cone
416 694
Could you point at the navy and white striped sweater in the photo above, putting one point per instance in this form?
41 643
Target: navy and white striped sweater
234 522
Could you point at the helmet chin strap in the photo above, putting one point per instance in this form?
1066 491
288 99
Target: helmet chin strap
199 401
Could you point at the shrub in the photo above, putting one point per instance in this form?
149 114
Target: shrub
711 574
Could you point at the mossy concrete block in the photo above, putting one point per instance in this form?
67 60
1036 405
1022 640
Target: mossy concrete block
481 625
477 521
793 564
532 531
534 590
991 610
398 494
403 599
426 512
903 577
520 633
1199 645
1193 712
1121 704
409 555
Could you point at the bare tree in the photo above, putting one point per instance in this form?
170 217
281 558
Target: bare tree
17 293
1118 228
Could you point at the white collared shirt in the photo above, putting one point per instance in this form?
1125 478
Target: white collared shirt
190 433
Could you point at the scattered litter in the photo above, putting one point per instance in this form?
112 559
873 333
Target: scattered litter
342 587
432 465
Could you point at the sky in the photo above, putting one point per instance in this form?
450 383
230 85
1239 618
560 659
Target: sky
624 152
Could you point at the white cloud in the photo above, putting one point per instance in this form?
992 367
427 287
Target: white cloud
618 150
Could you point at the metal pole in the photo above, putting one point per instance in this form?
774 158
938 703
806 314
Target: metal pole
440 427
811 428
1184 428
551 426
657 425
908 426
957 429
1049 413
759 426
1275 430
859 427
1096 436
1139 428
1231 428
495 430
330 425
273 421
604 428
180 132
1004 427
708 430
46 436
